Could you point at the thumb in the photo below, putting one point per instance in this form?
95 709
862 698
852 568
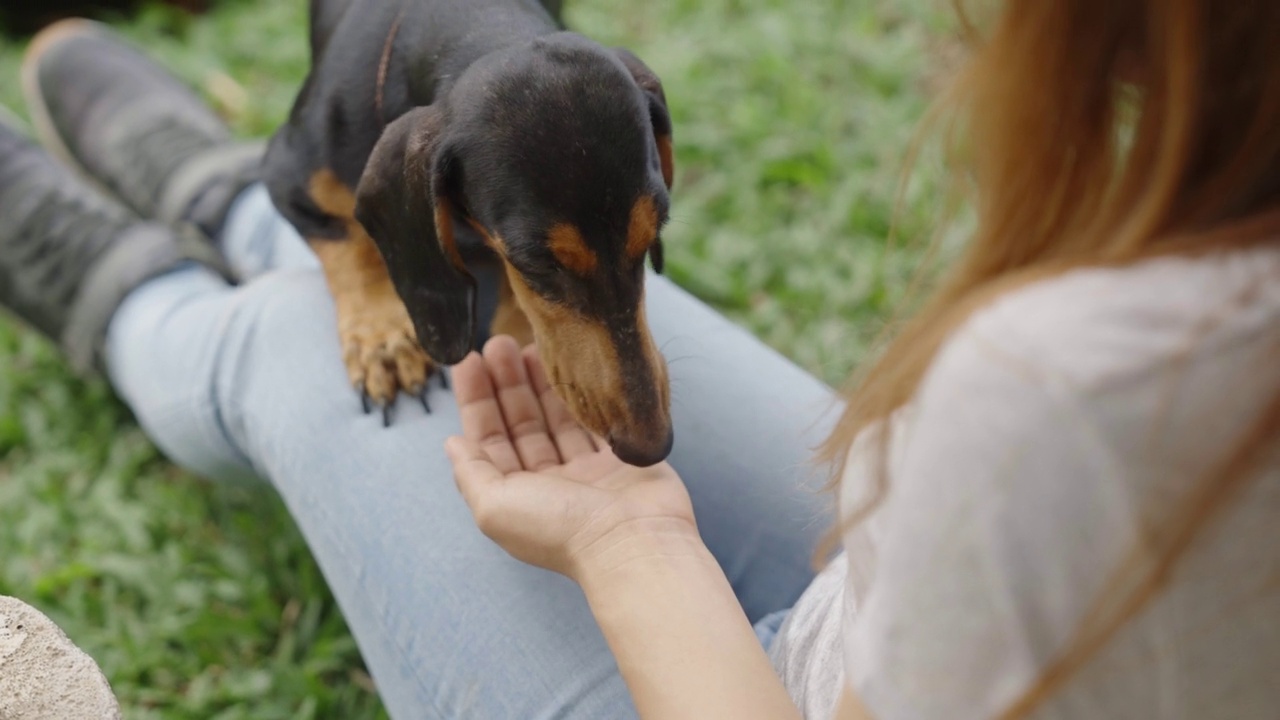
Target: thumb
473 471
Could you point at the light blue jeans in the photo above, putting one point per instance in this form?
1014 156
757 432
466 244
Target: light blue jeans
241 382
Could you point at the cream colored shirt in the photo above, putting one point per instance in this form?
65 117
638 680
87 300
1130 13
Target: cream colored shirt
1054 432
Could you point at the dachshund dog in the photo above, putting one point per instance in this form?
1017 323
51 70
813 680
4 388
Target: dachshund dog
434 138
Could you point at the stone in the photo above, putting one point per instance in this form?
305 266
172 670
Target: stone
43 675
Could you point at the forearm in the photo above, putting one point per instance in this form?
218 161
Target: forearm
682 642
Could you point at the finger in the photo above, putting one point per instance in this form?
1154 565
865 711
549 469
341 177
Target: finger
601 443
533 516
480 413
569 436
520 405
473 469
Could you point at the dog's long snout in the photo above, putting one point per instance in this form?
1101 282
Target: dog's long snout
620 393
609 374
643 451
630 409
640 431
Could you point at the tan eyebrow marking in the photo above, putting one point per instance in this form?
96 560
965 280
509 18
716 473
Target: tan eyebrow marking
570 249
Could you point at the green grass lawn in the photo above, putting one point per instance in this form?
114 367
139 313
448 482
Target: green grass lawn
792 123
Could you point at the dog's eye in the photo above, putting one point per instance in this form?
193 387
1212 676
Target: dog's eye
536 264
544 268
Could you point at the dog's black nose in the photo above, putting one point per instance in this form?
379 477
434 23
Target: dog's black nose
643 454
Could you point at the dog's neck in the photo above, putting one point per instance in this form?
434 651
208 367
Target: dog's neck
436 60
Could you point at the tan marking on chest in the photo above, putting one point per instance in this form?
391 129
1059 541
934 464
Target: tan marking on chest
332 195
352 265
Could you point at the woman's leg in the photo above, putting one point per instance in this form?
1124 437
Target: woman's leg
235 382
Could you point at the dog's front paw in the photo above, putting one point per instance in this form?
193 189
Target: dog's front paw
381 352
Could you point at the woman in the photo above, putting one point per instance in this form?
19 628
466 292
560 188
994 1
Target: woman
1060 484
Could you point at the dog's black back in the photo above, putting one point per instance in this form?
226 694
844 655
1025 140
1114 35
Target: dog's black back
373 61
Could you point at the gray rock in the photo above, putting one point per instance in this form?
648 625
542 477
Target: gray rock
43 675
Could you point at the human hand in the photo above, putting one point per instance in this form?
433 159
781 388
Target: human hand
550 493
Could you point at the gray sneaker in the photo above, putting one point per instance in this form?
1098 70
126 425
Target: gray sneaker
134 129
69 255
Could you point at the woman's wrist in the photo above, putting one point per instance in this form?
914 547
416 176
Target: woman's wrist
681 639
638 546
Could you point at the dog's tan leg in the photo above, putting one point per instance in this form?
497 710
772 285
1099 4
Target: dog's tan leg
379 345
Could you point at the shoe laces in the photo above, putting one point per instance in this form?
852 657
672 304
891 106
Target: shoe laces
153 153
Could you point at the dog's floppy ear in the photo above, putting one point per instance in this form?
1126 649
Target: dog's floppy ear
658 112
660 116
403 203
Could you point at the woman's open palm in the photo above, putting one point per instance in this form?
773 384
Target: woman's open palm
540 485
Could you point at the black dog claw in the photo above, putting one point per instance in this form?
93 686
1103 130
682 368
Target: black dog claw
426 404
366 402
444 379
386 415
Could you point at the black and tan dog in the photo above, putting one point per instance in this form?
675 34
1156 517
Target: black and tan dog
435 136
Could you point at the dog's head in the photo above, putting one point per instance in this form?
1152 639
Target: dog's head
559 153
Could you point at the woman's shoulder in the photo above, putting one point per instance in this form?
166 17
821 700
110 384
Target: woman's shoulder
1095 326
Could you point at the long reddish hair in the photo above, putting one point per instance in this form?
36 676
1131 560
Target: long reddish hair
1099 133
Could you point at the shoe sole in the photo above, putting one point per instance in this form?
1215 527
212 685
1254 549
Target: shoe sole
46 131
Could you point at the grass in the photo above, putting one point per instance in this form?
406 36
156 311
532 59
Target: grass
793 120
